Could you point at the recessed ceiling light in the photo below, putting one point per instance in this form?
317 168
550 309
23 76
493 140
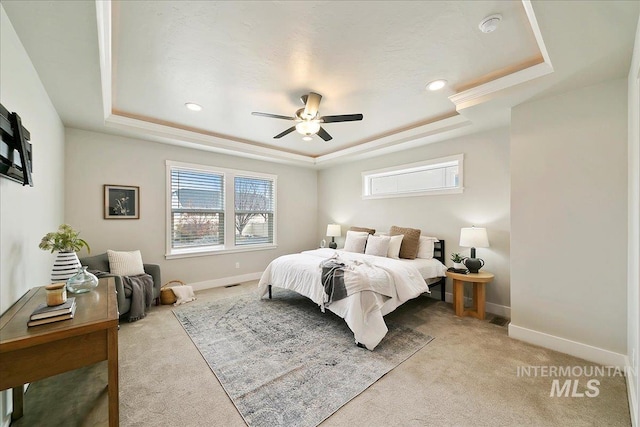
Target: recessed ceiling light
307 138
436 84
193 107
490 23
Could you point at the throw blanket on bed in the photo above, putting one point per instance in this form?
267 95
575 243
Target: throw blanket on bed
343 278
141 287
333 281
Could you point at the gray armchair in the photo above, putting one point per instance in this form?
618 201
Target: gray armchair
101 263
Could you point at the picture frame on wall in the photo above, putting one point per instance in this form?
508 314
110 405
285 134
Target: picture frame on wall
121 202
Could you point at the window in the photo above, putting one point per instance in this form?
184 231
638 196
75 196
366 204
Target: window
218 210
253 210
436 176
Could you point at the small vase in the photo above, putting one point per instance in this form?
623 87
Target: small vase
82 282
65 266
459 266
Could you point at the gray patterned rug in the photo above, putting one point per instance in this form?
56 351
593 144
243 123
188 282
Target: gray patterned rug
283 362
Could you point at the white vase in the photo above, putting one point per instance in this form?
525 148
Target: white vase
65 266
458 265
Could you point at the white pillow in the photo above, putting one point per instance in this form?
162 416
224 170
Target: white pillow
125 263
377 245
425 247
355 241
394 246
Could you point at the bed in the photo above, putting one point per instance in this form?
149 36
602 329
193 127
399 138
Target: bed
363 311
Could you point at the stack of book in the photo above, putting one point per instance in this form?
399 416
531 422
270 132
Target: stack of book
44 314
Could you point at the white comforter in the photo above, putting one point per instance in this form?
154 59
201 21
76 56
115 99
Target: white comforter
363 311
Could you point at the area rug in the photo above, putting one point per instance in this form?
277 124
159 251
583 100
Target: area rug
285 363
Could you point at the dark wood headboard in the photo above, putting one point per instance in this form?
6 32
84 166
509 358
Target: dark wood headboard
438 251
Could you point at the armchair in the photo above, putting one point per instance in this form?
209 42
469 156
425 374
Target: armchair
101 263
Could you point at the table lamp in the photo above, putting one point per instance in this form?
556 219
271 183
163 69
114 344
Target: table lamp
333 231
474 237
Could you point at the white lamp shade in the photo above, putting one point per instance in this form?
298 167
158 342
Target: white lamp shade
474 237
333 230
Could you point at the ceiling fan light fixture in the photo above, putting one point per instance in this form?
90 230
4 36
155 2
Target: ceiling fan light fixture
436 84
307 138
308 127
193 106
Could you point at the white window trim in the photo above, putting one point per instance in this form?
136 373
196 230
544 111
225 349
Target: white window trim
229 203
368 175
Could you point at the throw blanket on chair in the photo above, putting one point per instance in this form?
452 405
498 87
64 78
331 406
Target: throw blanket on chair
141 287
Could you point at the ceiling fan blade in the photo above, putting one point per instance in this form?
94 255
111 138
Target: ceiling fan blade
286 132
273 116
324 135
341 118
311 105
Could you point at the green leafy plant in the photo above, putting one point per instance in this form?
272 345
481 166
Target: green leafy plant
456 257
64 240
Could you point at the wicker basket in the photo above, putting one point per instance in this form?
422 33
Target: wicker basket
166 294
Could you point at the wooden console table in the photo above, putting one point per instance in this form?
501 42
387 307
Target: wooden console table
479 281
30 354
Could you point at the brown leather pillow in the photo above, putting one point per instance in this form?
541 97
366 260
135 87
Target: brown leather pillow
366 230
410 241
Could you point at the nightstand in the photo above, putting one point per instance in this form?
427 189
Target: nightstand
479 280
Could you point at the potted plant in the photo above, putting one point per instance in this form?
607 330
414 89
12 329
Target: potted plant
457 260
66 242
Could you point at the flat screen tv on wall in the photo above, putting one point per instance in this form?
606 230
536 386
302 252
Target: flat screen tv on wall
15 149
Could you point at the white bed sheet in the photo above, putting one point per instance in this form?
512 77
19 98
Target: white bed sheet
363 312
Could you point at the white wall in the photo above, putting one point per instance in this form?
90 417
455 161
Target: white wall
633 268
27 213
569 221
484 202
95 159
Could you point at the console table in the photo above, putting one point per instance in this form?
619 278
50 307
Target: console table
30 354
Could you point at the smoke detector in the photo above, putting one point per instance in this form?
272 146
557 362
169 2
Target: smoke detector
490 23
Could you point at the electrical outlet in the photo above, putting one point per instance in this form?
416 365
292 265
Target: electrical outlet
237 265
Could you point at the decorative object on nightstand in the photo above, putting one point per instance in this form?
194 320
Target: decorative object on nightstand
458 261
66 242
333 231
474 237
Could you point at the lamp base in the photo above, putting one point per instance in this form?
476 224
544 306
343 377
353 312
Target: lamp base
333 245
473 264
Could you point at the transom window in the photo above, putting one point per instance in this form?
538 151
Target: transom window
435 176
218 210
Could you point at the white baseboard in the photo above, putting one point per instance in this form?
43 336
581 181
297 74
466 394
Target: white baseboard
225 281
489 307
563 345
631 393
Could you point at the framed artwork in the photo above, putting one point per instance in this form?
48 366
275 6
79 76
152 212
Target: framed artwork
121 202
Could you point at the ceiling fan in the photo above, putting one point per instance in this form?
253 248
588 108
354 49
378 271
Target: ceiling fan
308 121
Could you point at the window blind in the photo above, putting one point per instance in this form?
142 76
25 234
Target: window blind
254 208
197 208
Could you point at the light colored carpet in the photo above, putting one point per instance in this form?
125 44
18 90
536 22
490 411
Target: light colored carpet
467 376
283 362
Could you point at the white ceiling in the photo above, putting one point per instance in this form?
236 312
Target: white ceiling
128 67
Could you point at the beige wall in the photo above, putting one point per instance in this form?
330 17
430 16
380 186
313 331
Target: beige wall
484 202
633 255
95 159
27 213
569 216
